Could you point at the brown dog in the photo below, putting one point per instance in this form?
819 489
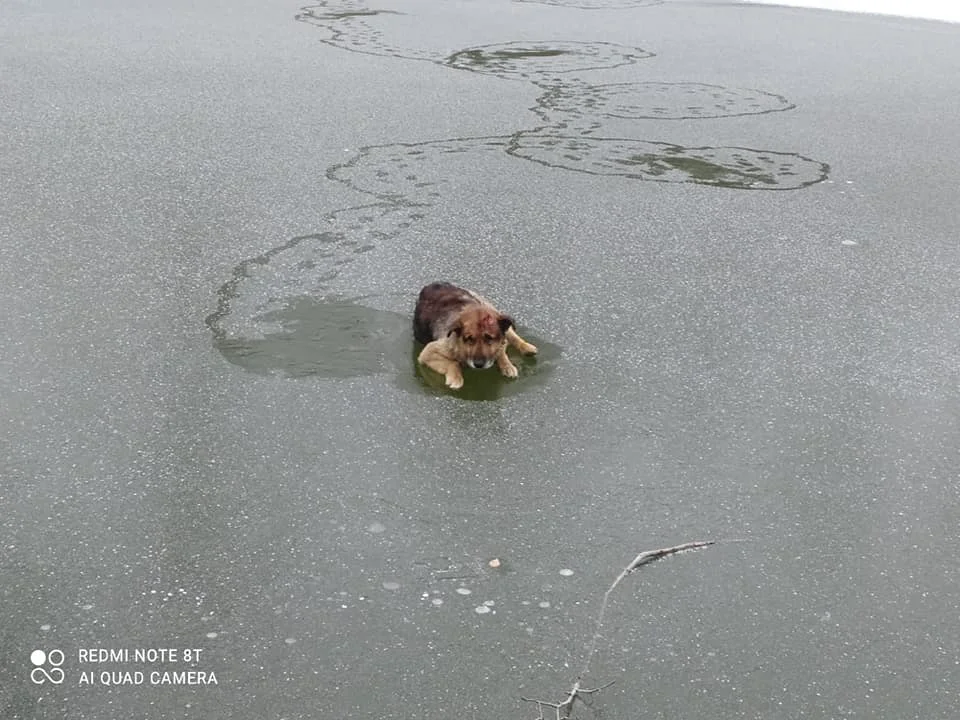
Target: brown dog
457 326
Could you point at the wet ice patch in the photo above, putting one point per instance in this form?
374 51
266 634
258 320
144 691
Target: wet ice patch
357 26
463 591
586 108
566 572
330 337
728 167
415 175
391 585
282 312
376 528
482 609
361 27
315 264
542 60
419 174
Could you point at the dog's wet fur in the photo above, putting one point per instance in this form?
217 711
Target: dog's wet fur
459 327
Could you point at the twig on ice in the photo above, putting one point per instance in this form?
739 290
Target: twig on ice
563 709
575 692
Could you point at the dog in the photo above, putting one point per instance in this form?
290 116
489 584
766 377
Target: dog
458 327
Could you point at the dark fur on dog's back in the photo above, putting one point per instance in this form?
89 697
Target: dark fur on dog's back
437 303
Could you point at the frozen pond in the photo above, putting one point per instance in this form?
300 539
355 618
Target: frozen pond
229 493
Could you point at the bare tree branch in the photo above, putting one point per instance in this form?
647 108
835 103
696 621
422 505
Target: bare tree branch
563 709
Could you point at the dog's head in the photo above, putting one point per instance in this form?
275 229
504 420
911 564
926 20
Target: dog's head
479 335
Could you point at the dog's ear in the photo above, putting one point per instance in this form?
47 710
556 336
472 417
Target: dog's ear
505 323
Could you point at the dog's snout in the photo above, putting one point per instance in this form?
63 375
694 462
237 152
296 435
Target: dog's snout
481 363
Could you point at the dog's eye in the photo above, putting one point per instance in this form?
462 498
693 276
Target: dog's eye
489 338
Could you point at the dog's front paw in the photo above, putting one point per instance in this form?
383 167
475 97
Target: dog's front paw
509 370
529 349
454 382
